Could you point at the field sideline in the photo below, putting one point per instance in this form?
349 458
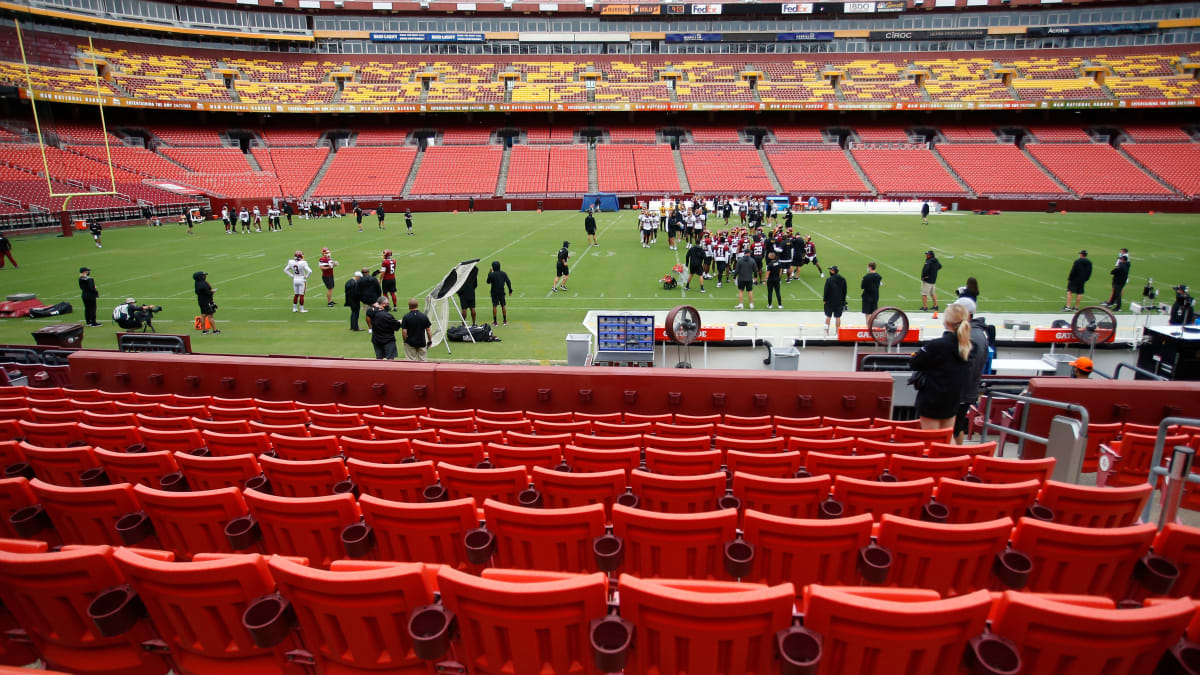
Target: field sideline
1020 259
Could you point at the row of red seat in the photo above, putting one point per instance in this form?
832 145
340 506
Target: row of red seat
716 540
254 614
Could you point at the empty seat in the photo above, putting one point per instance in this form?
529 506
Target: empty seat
49 595
684 463
904 467
85 515
500 415
664 430
546 456
565 416
523 426
59 466
518 440
313 478
220 412
197 610
806 551
354 618
1097 435
675 545
51 435
500 484
113 419
1062 638
1181 545
638 418
765 444
1001 470
1130 457
1084 560
459 454
325 419
396 482
969 449
693 626
883 433
447 423
761 433
485 437
561 490
15 494
54 416
773 464
678 494
360 431
904 498
384 451
862 467
547 427
211 473
224 445
926 436
220 426
620 428
269 428
790 497
309 527
864 634
951 559
554 539
1094 506
162 423
283 416
678 443
190 523
585 459
178 440
534 627
428 533
144 468
429 435
115 438
979 502
301 448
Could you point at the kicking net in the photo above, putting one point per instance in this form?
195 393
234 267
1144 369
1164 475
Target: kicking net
438 302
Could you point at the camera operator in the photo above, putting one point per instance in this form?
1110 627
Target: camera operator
132 316
1183 311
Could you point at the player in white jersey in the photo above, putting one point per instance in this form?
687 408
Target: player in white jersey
297 268
646 226
257 220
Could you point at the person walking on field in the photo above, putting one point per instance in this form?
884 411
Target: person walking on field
417 332
1081 271
834 298
87 287
929 275
352 299
380 213
589 226
498 279
561 271
870 284
1120 277
925 213
744 271
6 251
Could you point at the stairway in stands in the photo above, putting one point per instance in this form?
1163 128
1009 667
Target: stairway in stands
1048 172
320 174
861 174
412 174
762 156
684 187
593 170
950 170
502 179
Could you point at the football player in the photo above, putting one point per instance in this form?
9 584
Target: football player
388 279
297 268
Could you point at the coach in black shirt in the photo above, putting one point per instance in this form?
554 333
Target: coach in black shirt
369 291
383 330
87 286
870 290
352 298
415 327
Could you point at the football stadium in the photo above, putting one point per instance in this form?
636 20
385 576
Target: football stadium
349 336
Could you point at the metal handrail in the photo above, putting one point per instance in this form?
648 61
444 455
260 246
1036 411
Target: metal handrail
1170 507
1140 371
1020 432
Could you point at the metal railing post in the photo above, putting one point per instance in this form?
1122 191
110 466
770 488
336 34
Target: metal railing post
1178 472
1157 469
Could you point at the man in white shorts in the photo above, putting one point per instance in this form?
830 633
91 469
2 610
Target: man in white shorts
297 268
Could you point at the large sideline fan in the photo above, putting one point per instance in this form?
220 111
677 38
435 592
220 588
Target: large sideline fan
438 302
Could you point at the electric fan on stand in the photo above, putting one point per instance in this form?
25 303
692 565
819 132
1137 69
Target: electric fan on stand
1093 325
683 328
888 326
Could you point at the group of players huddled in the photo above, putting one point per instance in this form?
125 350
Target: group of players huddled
714 249
298 270
253 218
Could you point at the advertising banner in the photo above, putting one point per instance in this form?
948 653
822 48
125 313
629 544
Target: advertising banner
427 37
706 10
945 34
796 8
809 36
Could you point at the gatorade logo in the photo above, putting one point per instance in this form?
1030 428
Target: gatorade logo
1064 336
863 334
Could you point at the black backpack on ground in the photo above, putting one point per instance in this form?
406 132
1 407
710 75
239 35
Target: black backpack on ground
480 333
52 310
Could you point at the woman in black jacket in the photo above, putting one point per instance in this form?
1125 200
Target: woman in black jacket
204 297
943 365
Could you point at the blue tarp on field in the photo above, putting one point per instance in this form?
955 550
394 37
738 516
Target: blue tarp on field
608 201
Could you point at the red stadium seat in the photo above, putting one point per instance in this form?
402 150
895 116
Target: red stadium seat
197 610
360 431
522 426
816 433
554 539
635 418
680 625
191 523
682 463
232 414
806 551
49 595
461 454
211 473
926 436
905 498
863 634
114 438
1181 545
867 446
1001 470
771 464
1061 638
265 404
586 460
674 545
1084 560
567 417
763 444
862 467
664 430
1086 506
403 412
395 422
53 435
788 497
620 428
714 418
545 427
15 494
448 414
678 443
311 478
69 415
334 419
499 415
355 618
429 533
428 435
500 484
485 437
608 442
560 490
535 627
852 423
138 408
447 423
160 422
115 419
227 445
758 433
308 527
865 433
295 430
980 502
396 482
384 451
502 456
172 441
678 494
59 466
220 426
153 398
304 448
312 407
519 440
1130 457
86 515
754 421
904 467
793 423
145 468
950 559
827 446
1097 435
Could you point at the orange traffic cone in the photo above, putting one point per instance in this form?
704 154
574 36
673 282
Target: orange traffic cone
935 313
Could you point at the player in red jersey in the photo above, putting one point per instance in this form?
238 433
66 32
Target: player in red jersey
326 263
388 279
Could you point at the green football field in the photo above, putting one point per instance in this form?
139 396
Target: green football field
1020 259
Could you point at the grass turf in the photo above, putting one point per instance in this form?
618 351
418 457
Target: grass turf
1020 259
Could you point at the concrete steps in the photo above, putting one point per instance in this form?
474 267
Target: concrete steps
320 174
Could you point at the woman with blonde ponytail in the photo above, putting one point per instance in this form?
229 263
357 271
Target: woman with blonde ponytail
943 368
